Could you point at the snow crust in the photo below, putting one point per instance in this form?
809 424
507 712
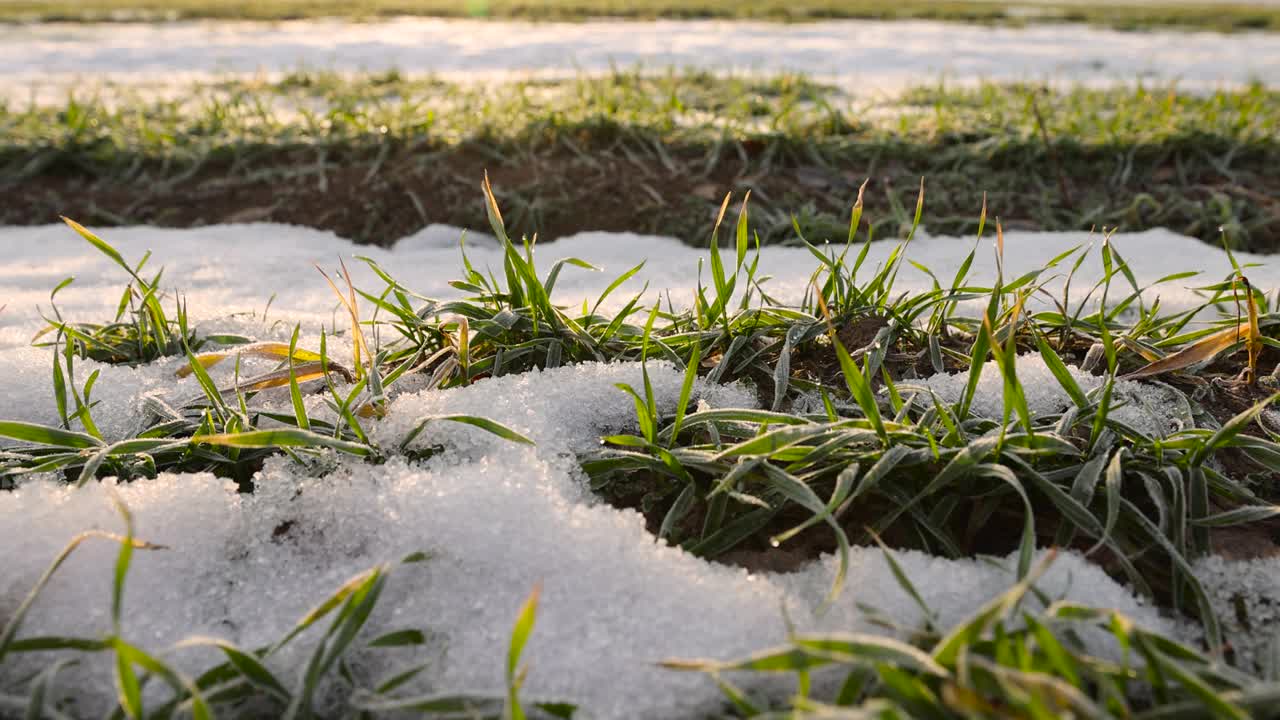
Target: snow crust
495 518
48 60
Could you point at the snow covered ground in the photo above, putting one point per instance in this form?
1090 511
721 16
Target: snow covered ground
495 518
50 59
253 262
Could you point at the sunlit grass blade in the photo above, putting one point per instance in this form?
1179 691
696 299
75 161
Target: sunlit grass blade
44 435
520 632
283 438
269 350
483 423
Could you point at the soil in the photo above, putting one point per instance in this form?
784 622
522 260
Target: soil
552 195
379 196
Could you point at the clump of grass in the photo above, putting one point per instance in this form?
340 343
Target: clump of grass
219 431
140 332
889 453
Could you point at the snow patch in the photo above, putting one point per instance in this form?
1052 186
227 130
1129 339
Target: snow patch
45 61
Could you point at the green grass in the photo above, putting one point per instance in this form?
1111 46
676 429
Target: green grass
374 158
1126 15
883 458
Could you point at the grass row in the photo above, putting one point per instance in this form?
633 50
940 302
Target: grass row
1124 15
375 158
884 453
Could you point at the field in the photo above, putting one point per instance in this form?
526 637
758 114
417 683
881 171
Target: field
1130 15
649 393
377 158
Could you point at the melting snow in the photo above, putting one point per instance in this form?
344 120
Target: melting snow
495 518
49 59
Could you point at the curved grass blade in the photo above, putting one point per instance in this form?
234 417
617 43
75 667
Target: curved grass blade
483 423
283 438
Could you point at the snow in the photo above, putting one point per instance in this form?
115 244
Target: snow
1244 595
1151 409
52 59
496 518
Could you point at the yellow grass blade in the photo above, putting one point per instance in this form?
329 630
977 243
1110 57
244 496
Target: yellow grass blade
280 378
490 200
724 206
1254 343
999 246
1203 350
356 331
358 345
267 350
206 360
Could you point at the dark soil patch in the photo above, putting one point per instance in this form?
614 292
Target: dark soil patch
377 196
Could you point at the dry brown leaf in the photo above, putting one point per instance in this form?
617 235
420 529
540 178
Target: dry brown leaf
1209 347
1200 351
280 378
1147 353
